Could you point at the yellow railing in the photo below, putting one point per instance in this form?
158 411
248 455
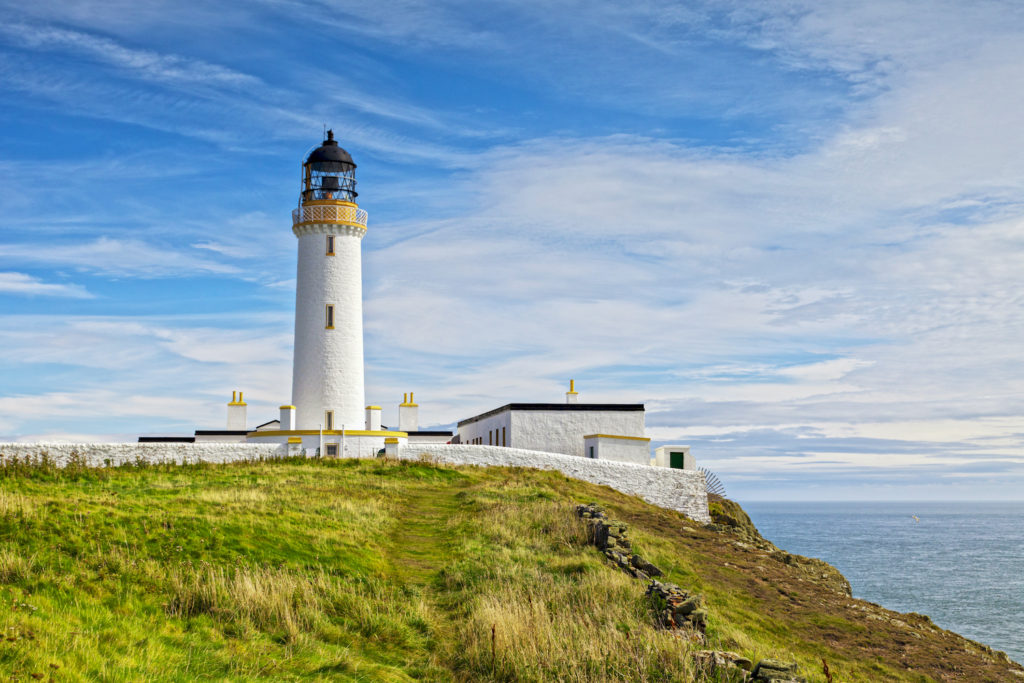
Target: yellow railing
329 213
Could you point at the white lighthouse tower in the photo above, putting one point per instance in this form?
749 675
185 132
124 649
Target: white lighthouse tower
327 376
327 414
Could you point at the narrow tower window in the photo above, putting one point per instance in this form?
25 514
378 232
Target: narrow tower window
503 442
329 420
330 317
330 245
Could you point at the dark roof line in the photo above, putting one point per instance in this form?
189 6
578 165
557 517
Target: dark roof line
618 407
221 432
167 439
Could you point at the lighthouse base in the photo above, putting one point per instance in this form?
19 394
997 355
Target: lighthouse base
336 443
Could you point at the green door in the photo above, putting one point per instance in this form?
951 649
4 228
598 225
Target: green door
675 460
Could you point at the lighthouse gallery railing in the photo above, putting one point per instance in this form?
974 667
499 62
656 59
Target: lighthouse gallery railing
329 213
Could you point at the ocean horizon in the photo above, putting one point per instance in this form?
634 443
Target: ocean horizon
961 563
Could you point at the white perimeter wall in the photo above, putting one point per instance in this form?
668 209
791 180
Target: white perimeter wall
682 490
100 454
562 431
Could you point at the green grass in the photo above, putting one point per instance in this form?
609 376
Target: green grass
373 570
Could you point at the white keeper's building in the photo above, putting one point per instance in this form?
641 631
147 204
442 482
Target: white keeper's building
328 413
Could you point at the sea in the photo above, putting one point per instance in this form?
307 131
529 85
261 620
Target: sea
960 563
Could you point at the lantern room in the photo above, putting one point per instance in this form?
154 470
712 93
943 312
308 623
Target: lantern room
329 174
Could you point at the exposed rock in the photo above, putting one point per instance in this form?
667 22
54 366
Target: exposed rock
643 565
721 663
677 608
776 671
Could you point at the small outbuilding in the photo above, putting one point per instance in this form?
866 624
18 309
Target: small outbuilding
634 449
676 457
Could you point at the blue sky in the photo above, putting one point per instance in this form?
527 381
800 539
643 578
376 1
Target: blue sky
795 230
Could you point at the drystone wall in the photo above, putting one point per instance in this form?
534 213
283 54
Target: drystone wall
113 454
681 490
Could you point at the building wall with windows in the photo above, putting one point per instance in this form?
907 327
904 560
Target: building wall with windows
554 428
562 431
493 430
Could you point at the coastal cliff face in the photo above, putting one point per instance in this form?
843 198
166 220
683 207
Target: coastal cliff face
919 644
401 570
728 517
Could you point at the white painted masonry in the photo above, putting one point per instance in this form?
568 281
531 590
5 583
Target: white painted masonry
681 490
408 415
236 412
663 456
356 443
327 372
287 419
618 448
549 430
563 431
422 437
373 418
483 431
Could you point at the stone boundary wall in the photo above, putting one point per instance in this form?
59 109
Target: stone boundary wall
681 490
113 454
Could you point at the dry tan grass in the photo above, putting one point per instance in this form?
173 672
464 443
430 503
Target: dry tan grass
563 618
14 504
233 496
293 602
15 566
267 598
547 628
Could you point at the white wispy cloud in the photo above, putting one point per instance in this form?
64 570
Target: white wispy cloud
24 284
116 257
144 63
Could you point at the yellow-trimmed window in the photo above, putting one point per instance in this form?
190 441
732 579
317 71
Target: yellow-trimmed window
332 450
329 323
329 420
330 245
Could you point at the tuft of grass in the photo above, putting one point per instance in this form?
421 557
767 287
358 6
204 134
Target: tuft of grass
15 567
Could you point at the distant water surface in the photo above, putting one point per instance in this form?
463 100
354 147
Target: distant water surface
962 564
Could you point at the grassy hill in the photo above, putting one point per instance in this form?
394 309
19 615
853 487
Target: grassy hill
361 570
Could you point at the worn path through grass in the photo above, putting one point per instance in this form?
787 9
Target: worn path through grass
420 545
420 542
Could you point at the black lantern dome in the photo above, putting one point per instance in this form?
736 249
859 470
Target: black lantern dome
329 173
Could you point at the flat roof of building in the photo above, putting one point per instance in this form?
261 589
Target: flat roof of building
221 432
429 433
167 439
617 407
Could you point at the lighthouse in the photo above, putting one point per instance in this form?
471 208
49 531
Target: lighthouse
327 370
327 413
